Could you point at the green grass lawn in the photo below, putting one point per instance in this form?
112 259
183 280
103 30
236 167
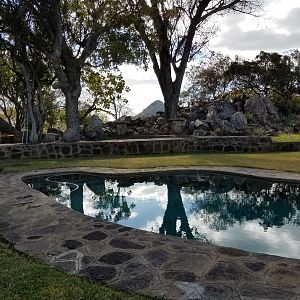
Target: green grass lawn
284 138
285 161
22 277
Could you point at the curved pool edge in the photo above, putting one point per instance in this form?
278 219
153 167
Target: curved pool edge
249 172
136 260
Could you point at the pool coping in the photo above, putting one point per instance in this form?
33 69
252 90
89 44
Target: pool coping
136 260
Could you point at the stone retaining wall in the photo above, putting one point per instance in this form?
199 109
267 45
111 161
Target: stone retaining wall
290 146
137 146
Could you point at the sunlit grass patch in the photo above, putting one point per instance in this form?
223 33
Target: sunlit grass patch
285 137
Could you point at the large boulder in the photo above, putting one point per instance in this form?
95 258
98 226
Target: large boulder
93 129
50 138
5 127
262 110
193 115
55 131
201 125
220 110
238 120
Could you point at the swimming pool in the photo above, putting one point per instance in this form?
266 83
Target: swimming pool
233 211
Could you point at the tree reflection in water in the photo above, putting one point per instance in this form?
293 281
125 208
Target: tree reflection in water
76 196
271 204
221 201
112 204
175 211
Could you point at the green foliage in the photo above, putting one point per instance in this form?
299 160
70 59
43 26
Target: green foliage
259 131
286 138
68 36
271 75
210 80
104 87
12 91
54 112
27 62
120 46
107 89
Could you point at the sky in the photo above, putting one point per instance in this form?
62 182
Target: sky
278 29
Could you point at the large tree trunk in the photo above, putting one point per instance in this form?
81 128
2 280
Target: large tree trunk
40 111
170 88
72 133
171 92
72 91
69 83
171 105
19 117
33 136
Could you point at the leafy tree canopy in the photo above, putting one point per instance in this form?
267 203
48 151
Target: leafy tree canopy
271 75
106 89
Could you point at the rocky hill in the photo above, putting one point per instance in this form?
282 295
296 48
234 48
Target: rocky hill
152 109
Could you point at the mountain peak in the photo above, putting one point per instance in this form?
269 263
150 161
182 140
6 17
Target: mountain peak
152 109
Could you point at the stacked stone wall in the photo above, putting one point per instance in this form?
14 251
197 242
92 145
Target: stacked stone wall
143 146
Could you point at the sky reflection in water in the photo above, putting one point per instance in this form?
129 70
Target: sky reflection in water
239 212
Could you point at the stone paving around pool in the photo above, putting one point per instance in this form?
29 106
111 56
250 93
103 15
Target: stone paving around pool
135 260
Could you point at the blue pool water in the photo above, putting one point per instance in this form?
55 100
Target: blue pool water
234 211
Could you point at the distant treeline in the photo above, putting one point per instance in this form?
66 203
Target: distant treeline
271 75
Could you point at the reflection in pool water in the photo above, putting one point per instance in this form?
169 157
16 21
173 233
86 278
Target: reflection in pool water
239 212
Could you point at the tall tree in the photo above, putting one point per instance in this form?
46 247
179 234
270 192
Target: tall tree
15 39
71 32
79 33
174 32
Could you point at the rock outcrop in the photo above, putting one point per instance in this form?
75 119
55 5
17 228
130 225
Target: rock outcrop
222 117
238 120
50 137
93 129
262 110
219 110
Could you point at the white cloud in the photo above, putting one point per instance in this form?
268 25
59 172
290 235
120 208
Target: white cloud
260 40
278 30
144 88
